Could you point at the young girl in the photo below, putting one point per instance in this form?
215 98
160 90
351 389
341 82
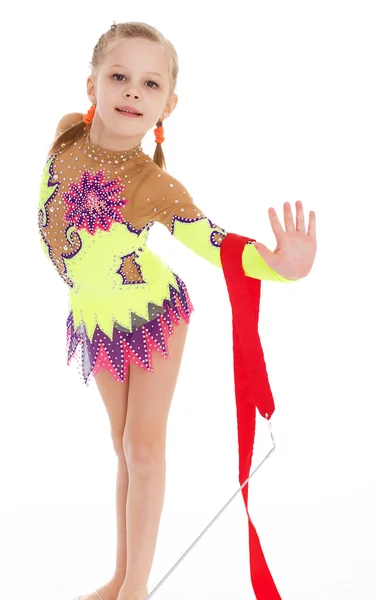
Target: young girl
100 195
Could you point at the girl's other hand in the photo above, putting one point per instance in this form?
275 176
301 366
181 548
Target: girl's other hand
296 249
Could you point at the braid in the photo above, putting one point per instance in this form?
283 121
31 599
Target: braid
159 139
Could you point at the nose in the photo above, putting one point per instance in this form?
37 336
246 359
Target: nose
131 91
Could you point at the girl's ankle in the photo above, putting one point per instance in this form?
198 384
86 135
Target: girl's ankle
118 579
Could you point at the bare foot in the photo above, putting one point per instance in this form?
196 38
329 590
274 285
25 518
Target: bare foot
109 591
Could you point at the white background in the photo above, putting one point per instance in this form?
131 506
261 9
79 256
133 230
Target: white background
276 103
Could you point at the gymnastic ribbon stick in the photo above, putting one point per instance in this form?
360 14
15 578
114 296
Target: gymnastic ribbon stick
252 389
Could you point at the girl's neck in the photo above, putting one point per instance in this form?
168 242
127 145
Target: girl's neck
96 137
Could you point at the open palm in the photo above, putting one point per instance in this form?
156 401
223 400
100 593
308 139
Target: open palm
296 249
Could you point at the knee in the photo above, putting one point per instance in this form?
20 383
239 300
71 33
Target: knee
143 456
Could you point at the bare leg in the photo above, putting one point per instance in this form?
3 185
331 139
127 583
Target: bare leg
122 482
115 398
144 508
149 399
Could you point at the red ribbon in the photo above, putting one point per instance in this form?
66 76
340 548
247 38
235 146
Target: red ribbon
252 389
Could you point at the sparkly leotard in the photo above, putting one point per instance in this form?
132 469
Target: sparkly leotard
96 208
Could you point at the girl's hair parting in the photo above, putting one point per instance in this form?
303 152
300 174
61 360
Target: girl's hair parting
116 32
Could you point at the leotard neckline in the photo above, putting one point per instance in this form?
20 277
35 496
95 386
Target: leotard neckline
108 156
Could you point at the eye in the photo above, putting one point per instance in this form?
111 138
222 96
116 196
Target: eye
117 75
153 86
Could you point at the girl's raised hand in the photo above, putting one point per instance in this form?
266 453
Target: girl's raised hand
296 249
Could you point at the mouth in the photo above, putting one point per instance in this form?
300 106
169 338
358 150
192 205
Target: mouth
129 111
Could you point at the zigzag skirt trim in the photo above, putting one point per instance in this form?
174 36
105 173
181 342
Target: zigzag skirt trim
115 355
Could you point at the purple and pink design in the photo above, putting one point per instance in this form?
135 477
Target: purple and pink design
94 203
125 347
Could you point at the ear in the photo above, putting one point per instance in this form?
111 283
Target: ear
170 106
90 87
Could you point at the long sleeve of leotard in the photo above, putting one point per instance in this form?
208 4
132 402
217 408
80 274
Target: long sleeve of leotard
162 198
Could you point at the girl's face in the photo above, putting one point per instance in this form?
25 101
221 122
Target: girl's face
135 73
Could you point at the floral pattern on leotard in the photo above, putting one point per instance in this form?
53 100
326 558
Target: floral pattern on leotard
94 203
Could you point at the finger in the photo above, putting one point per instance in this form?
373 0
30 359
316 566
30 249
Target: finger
312 224
289 219
300 223
275 223
265 253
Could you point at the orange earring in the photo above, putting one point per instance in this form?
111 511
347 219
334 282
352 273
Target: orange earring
159 133
89 115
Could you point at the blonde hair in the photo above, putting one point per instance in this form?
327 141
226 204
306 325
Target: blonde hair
116 32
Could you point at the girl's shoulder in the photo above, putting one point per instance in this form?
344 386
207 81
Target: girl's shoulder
66 122
158 176
156 185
